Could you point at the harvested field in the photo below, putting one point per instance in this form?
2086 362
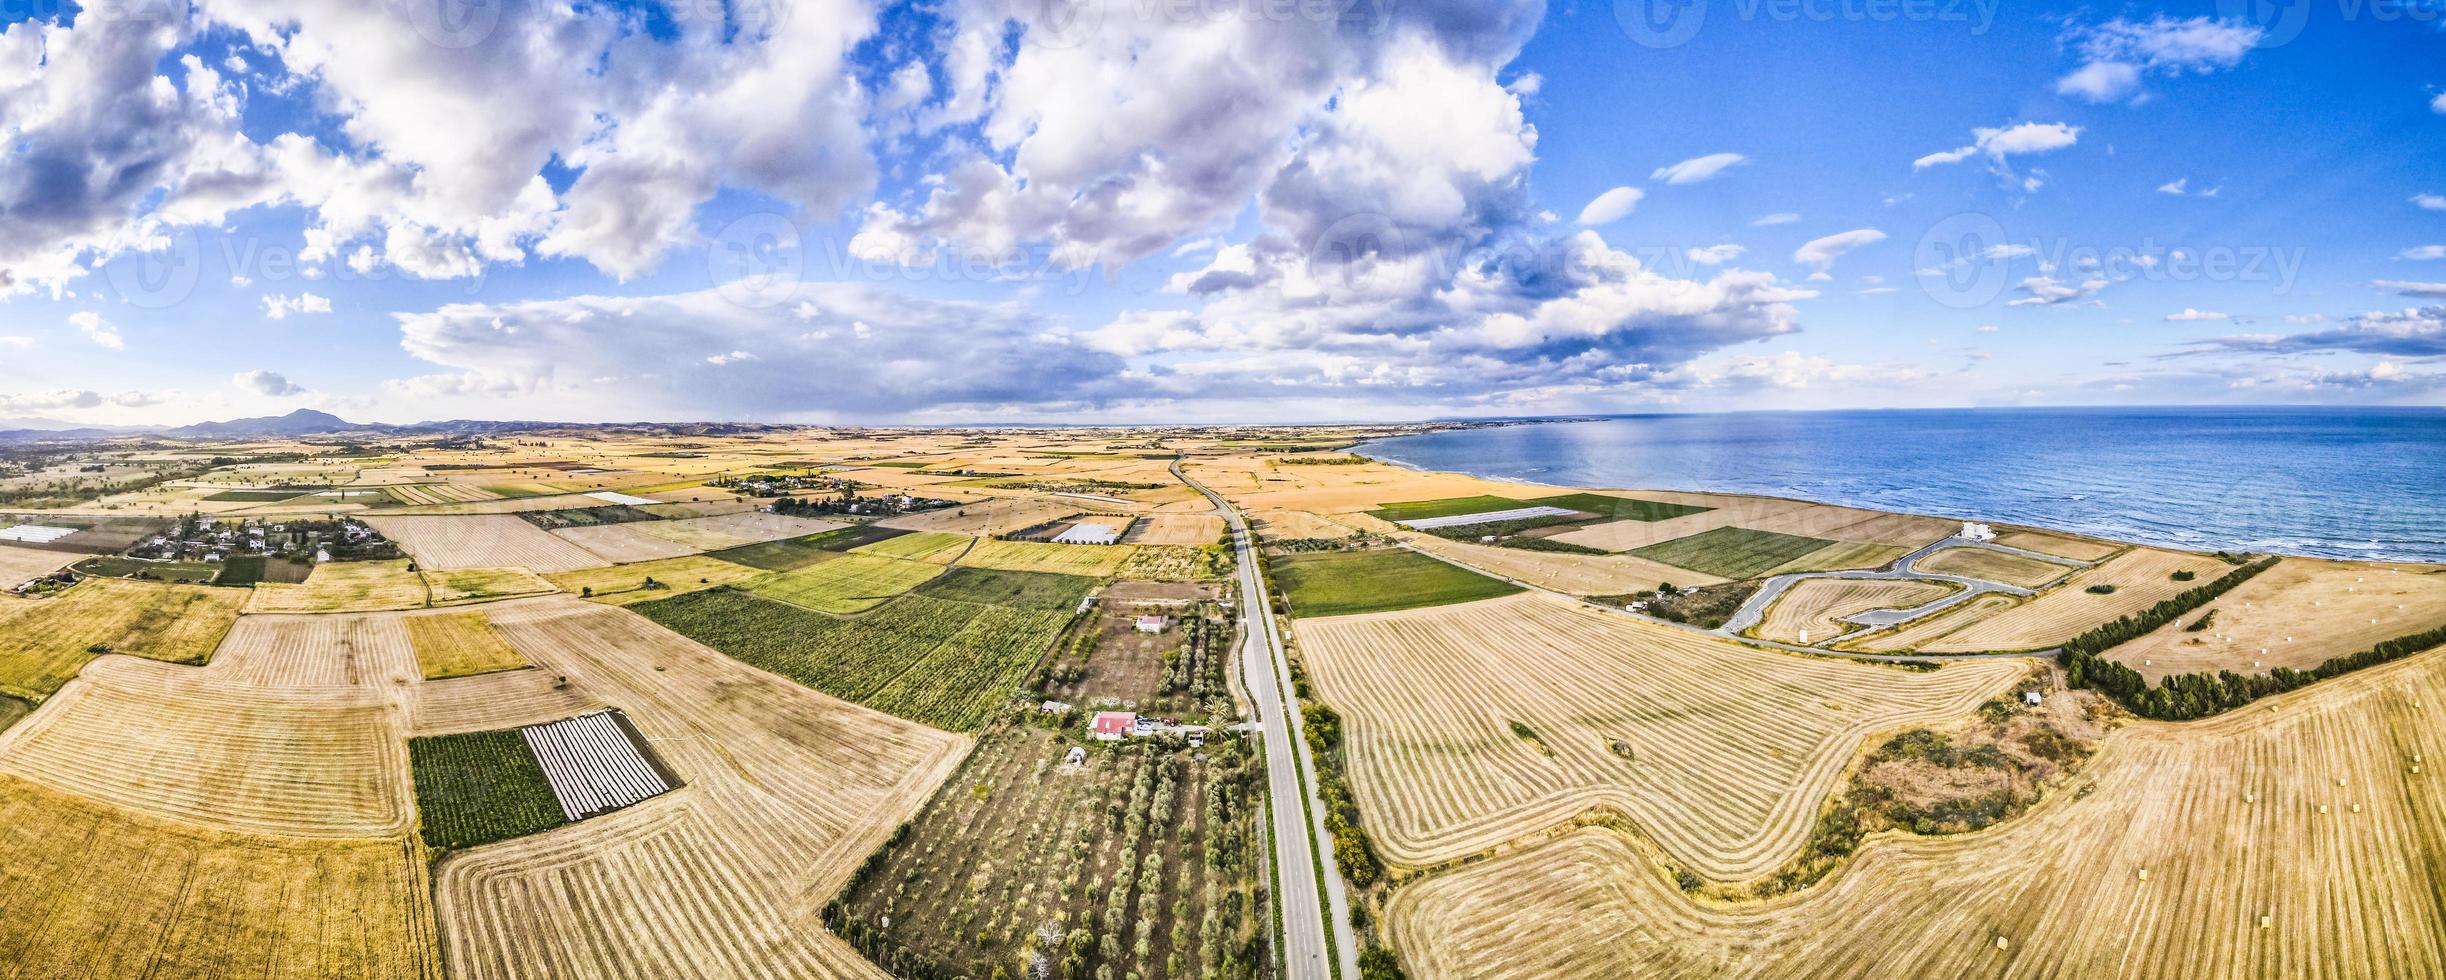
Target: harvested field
1562 572
2245 877
1189 529
850 584
45 642
315 653
1994 566
984 518
1340 583
162 740
459 586
1426 510
1097 560
621 544
1732 552
2142 577
733 530
91 890
1926 630
1843 555
1906 531
436 493
459 645
1812 610
482 541
2059 545
377 586
1722 512
2302 612
787 791
1722 753
1278 525
622 585
20 565
938 547
1611 507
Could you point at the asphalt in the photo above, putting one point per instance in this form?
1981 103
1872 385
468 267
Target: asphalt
1316 928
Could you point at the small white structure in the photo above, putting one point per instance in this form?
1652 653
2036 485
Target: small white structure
1972 531
1150 623
2031 698
1088 534
1055 707
1078 756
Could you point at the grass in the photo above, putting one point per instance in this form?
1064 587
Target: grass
1047 590
1099 560
254 496
1620 508
1179 563
1339 583
849 584
460 645
374 586
479 787
108 566
1732 552
1416 510
45 642
622 585
939 547
791 554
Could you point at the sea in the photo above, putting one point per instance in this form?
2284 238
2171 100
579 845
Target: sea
2364 483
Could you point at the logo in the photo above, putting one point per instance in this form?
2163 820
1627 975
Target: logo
454 24
159 278
1661 23
1058 23
2279 21
1964 261
1362 251
756 261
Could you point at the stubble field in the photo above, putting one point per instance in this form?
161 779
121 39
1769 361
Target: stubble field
2142 577
2301 613
483 541
1818 606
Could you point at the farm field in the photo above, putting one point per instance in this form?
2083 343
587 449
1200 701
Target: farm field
1732 552
45 642
1611 507
1562 572
1099 560
91 889
622 543
2302 612
1621 536
1136 843
314 654
459 645
482 541
2142 577
18 565
1419 510
1719 752
1812 610
938 547
1340 583
1927 629
1842 555
1277 525
851 584
2245 876
1185 529
787 791
1000 515
733 530
622 585
377 586
1994 566
479 787
1177 563
2059 545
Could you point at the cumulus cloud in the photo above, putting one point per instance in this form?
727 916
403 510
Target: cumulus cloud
96 329
1696 169
2429 202
2117 54
269 384
279 307
2189 315
1820 253
1714 254
2000 144
1609 207
2417 332
76 399
2438 105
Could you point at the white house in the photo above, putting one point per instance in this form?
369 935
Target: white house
1972 531
1150 624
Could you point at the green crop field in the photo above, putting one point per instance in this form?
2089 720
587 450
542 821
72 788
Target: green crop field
845 585
1619 508
254 496
1339 583
1416 510
479 787
1732 552
1046 590
949 663
795 553
939 547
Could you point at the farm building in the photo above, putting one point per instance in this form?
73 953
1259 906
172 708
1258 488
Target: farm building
1972 531
1113 726
594 763
1151 623
1088 534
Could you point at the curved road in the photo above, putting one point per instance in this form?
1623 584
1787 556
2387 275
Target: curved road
1316 930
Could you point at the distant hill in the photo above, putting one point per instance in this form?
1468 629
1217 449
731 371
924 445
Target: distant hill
303 422
307 422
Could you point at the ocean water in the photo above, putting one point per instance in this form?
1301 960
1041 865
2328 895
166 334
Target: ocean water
2339 483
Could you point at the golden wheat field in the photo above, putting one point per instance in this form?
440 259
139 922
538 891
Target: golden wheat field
45 642
2142 577
458 645
622 585
1097 560
1730 749
1000 515
382 586
2287 839
1812 610
483 541
622 543
1176 529
1926 629
731 530
1570 573
2059 545
2299 614
786 791
20 565
1994 566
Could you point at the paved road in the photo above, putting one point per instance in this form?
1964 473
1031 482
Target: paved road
1298 832
1907 567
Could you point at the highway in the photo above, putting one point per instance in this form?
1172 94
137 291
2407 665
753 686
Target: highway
1308 944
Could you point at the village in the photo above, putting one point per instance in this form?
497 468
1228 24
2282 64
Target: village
199 538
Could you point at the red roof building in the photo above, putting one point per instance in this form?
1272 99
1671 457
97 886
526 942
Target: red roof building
1113 726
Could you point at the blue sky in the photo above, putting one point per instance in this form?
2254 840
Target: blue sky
828 210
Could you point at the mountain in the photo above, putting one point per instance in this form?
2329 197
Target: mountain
303 422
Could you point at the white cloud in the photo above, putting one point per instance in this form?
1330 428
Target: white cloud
2000 144
2189 315
1987 328
1778 218
2174 187
1696 169
96 329
278 307
2049 291
2422 290
1820 253
1609 207
266 383
2438 105
733 357
2116 54
2429 202
1715 254
20 343
74 400
2424 252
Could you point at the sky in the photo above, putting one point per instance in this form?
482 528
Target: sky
836 211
